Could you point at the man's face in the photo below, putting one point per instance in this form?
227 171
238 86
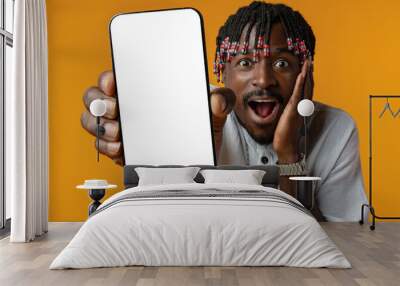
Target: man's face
262 88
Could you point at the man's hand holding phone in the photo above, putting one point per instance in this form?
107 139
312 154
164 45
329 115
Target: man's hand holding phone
222 101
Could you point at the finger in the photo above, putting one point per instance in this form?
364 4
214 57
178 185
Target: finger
222 102
112 150
107 83
111 104
111 127
119 161
299 85
309 83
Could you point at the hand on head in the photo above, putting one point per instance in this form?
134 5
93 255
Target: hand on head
286 135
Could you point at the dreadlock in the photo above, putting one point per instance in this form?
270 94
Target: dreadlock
300 37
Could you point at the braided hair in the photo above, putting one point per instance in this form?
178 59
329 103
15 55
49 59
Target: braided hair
300 37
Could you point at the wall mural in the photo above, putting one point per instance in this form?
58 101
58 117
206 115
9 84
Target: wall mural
257 71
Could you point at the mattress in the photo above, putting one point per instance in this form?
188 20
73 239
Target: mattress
201 225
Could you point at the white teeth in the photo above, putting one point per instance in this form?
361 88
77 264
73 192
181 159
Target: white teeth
263 100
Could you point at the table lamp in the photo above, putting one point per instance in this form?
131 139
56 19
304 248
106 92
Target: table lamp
305 184
305 108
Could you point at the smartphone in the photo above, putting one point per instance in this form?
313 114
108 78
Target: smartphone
160 68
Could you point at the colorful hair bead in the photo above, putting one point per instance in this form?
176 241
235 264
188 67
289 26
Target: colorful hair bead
302 47
266 50
296 46
235 48
254 55
290 44
260 39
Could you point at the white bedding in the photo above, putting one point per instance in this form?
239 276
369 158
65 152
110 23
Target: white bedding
182 231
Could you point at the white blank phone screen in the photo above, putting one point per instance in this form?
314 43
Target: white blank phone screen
162 87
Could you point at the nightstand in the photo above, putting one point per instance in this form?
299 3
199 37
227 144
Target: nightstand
306 190
97 190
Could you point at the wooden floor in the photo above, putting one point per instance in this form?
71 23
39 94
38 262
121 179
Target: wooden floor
375 256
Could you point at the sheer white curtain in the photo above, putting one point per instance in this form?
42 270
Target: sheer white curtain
27 124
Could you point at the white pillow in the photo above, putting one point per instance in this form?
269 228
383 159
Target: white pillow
162 176
249 177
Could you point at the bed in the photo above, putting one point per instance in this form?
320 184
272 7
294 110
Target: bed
201 224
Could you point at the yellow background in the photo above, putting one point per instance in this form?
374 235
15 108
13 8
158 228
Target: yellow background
357 54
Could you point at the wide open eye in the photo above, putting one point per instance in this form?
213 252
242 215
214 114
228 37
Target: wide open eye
281 64
244 63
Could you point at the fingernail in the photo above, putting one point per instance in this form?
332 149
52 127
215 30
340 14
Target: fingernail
110 105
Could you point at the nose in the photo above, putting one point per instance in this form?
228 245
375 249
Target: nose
263 76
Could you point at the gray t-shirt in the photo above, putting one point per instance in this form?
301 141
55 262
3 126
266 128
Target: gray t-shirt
332 154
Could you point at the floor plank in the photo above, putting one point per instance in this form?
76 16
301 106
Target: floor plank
374 255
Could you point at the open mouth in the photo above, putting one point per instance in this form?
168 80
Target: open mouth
264 110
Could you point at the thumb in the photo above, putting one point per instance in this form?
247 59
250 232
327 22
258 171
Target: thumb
222 102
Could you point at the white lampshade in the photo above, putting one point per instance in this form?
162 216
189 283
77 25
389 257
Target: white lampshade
98 107
305 107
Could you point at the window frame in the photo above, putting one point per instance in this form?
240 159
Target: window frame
6 39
